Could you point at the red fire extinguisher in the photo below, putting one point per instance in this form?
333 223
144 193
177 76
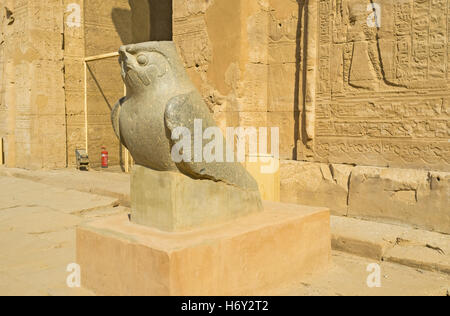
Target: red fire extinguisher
104 158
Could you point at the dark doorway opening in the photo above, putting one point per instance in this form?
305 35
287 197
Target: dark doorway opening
161 20
151 20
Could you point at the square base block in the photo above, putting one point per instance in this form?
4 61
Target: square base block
173 202
247 256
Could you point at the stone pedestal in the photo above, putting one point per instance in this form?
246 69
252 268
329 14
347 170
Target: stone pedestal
266 171
173 202
242 257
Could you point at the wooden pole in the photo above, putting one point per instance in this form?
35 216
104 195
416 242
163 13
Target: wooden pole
86 108
127 161
86 60
99 57
1 152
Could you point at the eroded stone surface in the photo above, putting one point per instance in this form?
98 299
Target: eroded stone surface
404 245
406 196
419 198
316 184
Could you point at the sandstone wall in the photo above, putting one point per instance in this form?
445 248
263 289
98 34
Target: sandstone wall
343 92
401 196
4 21
381 99
74 53
246 57
224 46
383 93
285 80
32 110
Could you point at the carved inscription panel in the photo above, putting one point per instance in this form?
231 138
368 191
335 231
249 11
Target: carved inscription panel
383 83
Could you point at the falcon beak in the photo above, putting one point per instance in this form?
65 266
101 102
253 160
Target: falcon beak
124 58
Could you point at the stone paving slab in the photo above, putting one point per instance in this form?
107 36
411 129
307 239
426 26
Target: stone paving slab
11 286
104 183
19 192
36 220
348 277
31 265
37 233
407 246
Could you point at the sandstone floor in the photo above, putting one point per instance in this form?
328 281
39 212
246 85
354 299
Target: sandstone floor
40 210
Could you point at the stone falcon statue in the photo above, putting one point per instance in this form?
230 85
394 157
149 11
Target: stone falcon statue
160 97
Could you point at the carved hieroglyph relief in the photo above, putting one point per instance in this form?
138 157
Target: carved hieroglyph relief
383 92
224 48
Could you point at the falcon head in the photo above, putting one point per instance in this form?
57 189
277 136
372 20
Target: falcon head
145 64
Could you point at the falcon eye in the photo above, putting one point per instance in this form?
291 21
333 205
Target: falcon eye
142 60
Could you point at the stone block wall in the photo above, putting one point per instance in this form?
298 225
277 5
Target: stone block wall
383 92
224 46
414 197
362 110
245 58
32 88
